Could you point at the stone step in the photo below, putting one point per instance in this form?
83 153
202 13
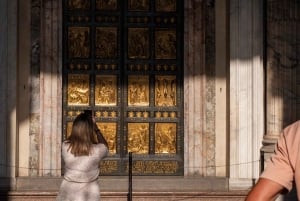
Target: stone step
115 188
136 196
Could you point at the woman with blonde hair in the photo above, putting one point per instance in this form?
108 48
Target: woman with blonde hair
82 153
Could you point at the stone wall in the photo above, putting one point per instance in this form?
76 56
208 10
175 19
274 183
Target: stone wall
212 135
246 91
282 73
199 88
282 65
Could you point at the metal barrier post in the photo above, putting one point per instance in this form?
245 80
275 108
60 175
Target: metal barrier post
129 196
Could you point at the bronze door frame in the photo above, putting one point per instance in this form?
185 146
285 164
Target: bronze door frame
124 60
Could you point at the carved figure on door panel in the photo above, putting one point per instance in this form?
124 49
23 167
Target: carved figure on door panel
165 138
138 138
138 43
106 4
106 42
78 42
165 44
105 93
109 132
132 96
165 91
78 4
138 91
138 5
142 94
78 92
105 90
166 5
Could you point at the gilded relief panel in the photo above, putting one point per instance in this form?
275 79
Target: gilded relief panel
165 5
106 4
138 5
109 167
154 167
78 89
106 90
78 42
165 44
106 42
165 90
138 138
109 131
79 4
165 138
138 90
138 43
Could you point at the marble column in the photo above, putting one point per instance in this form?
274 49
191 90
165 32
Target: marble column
193 87
8 88
246 91
199 88
50 90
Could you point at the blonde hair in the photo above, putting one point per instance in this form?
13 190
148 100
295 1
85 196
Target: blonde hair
82 136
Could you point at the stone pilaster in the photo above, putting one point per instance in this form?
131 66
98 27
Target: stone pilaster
51 90
193 87
199 88
246 91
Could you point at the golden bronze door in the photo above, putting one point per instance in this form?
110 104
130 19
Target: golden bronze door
124 60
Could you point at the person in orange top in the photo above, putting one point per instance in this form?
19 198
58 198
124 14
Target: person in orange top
282 169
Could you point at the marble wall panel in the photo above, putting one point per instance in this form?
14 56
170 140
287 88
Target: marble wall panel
210 94
199 86
246 91
46 89
282 65
34 124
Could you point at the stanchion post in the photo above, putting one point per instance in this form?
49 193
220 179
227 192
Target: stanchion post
129 196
